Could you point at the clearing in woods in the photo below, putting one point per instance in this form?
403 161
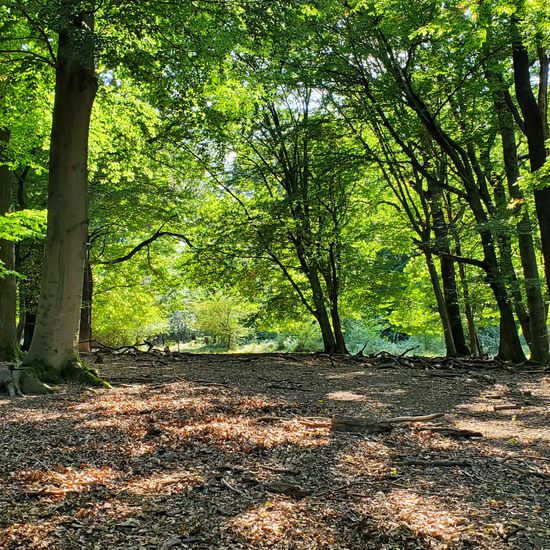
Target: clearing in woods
237 451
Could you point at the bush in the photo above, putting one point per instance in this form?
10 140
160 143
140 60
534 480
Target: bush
223 317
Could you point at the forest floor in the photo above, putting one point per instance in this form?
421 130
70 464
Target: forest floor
226 451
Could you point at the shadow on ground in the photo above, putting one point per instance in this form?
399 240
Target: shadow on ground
210 452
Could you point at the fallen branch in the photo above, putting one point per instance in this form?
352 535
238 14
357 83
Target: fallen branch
359 425
455 433
278 470
289 489
507 407
234 489
288 388
529 472
315 423
407 351
424 418
432 462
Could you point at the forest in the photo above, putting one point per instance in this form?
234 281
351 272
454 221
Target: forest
274 274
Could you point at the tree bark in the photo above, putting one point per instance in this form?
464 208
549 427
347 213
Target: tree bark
448 276
509 344
441 306
9 349
55 341
468 311
535 130
322 317
85 335
508 269
333 284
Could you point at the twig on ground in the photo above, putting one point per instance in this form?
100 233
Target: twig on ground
230 487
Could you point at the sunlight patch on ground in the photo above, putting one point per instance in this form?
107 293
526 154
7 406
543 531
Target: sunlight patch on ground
425 517
34 415
433 441
365 458
279 520
249 436
63 480
37 531
163 483
345 396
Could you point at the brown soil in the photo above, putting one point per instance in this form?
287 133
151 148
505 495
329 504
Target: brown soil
214 452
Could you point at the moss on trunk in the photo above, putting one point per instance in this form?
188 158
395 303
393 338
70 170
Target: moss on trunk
37 377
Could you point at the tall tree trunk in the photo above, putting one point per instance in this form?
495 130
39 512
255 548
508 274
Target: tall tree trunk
450 295
28 329
9 349
538 331
448 277
85 335
441 306
468 311
22 315
333 283
337 328
534 120
55 341
504 243
321 314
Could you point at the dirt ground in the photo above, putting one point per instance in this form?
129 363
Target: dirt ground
226 451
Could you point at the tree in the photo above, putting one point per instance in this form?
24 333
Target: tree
534 110
54 345
223 317
381 60
9 349
291 180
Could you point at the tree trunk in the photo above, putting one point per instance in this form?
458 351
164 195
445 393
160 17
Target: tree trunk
9 349
333 283
338 332
510 277
468 311
22 316
55 341
321 314
85 344
538 331
28 330
441 306
450 295
534 129
509 346
448 277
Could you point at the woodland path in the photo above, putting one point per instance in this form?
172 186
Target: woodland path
227 451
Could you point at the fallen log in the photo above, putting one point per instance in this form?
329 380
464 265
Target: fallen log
360 425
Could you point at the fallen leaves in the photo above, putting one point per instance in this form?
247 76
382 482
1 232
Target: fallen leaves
178 463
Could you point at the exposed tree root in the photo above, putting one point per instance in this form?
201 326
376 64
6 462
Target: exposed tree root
35 378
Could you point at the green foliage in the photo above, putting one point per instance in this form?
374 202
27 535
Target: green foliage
223 316
269 143
127 309
23 224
